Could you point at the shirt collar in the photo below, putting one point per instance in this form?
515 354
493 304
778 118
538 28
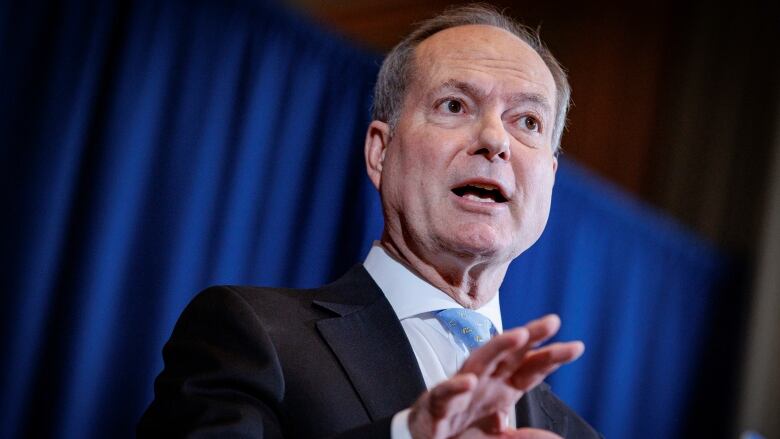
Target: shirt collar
410 295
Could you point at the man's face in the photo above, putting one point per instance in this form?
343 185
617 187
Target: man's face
469 170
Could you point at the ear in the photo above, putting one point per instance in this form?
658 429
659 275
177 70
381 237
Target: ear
377 140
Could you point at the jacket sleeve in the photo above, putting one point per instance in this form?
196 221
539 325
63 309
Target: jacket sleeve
221 375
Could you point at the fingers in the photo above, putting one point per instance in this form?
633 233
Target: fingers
521 433
558 353
490 382
492 423
432 414
513 344
529 433
542 329
442 399
524 367
485 359
539 363
539 331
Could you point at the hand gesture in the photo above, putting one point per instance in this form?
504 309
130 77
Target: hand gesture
474 402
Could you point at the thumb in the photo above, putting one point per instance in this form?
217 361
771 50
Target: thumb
529 433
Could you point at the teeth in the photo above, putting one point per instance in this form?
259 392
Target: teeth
480 199
483 186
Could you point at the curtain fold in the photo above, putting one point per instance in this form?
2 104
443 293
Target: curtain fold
152 148
639 290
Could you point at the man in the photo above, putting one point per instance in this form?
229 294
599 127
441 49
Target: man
469 111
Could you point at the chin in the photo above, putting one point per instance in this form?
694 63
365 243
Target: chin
477 240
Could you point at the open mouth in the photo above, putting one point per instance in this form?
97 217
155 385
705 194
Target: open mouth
480 192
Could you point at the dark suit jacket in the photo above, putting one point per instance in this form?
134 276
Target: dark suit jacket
271 362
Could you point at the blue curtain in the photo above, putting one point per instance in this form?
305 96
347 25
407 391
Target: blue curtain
641 292
152 148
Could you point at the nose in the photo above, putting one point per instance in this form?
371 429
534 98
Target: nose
493 139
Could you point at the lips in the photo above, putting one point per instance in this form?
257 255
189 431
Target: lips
481 191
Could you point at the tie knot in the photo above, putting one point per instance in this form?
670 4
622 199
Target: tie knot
469 327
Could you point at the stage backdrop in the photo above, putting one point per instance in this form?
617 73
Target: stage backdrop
152 148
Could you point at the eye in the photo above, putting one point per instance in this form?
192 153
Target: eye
530 123
452 105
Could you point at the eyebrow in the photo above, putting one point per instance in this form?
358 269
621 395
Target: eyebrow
464 87
537 100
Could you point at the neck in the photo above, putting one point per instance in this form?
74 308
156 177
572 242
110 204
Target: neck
469 281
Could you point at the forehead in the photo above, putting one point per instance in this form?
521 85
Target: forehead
491 56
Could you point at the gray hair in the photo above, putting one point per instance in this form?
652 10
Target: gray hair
397 69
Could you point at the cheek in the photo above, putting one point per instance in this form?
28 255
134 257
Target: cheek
543 181
536 170
535 183
407 175
423 161
422 150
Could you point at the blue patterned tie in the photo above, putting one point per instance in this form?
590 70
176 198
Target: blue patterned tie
470 327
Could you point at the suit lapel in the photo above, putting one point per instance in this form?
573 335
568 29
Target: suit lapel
367 338
537 409
370 344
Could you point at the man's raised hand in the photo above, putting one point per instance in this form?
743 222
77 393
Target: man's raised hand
474 402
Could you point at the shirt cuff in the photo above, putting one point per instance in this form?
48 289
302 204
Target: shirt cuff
399 428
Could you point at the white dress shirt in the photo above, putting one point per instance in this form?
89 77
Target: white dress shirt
439 354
